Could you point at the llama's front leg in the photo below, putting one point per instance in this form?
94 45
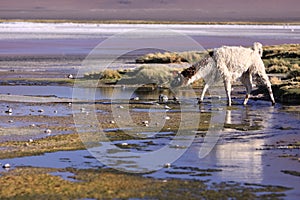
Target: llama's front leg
227 84
206 86
266 81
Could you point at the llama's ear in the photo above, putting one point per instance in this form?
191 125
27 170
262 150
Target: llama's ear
258 48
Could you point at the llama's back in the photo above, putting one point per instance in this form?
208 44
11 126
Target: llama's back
233 61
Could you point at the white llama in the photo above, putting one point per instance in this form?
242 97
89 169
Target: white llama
229 63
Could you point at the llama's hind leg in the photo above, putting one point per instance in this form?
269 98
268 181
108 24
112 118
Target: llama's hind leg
206 86
227 84
246 79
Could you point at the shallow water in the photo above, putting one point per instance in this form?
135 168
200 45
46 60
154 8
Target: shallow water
103 93
240 155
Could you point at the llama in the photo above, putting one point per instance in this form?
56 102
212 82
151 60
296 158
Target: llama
229 63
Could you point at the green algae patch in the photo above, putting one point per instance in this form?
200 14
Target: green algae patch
55 143
39 183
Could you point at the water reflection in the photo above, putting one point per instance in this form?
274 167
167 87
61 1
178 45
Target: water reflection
239 161
236 151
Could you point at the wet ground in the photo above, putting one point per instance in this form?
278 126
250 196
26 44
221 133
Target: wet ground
257 144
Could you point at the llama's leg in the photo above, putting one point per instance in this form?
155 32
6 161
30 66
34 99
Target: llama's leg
246 79
227 84
266 81
206 86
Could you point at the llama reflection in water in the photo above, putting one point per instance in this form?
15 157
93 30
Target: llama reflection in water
246 130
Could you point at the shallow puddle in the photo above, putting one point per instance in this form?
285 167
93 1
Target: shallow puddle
65 175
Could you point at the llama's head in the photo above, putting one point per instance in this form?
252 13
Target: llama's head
258 48
178 79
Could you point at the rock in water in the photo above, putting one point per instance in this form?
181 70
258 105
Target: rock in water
163 98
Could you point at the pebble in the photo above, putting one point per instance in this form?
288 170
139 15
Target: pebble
9 110
167 165
163 98
121 107
6 166
70 104
124 144
30 140
48 131
70 76
167 118
32 125
167 107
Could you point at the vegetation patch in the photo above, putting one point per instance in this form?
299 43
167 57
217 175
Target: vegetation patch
65 142
290 172
172 57
147 74
107 74
38 183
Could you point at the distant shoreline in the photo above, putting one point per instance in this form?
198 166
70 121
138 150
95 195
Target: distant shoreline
150 22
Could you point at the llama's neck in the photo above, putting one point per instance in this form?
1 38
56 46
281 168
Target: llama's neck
201 69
